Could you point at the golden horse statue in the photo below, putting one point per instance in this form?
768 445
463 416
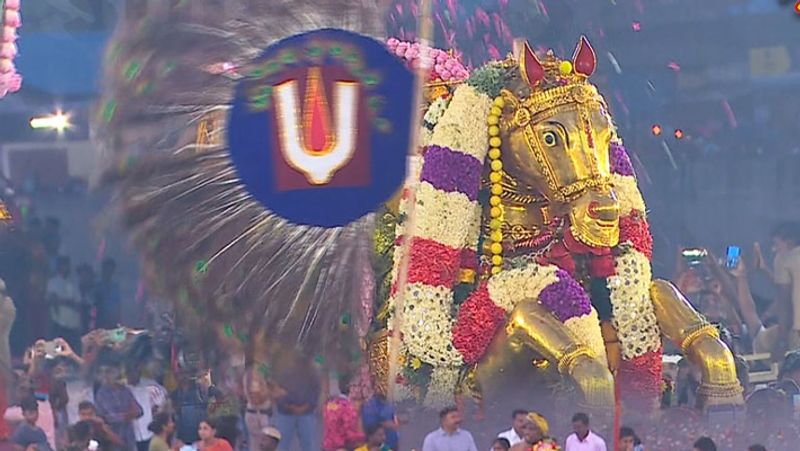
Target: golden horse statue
529 236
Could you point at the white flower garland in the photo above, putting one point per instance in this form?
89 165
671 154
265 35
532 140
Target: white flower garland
441 390
628 194
586 330
438 214
634 315
512 286
463 126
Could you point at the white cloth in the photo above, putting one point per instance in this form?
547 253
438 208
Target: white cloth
151 396
511 436
787 272
593 442
78 391
67 316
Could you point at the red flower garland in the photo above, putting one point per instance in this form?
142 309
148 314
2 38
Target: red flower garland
479 319
433 263
641 380
635 230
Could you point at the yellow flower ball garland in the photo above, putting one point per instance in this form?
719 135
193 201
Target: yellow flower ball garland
494 243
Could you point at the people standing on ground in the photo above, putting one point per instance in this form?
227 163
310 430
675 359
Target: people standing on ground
115 402
15 416
66 309
191 401
296 409
449 436
150 395
207 431
583 439
514 435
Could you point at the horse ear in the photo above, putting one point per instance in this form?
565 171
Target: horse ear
532 70
585 60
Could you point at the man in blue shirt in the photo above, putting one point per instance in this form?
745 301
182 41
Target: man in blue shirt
296 413
28 433
378 411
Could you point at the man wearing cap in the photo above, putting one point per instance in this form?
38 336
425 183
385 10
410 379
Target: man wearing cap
271 437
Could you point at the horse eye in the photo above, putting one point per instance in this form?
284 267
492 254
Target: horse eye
550 139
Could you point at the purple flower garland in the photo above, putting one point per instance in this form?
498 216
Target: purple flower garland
566 298
620 161
451 171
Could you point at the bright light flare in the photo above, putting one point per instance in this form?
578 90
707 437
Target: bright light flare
58 121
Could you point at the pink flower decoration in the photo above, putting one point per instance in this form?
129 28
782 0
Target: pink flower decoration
12 4
6 66
12 18
8 51
9 34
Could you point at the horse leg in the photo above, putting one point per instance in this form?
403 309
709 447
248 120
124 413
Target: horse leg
700 342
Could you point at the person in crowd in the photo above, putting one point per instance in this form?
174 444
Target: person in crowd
259 405
628 441
207 431
28 433
71 369
150 395
705 444
449 436
514 435
376 440
535 435
191 401
271 439
756 447
501 444
341 428
162 427
380 411
109 305
87 290
65 304
582 437
115 402
15 416
764 338
786 245
7 314
296 408
98 429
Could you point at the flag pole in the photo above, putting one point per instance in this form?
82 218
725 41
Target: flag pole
425 36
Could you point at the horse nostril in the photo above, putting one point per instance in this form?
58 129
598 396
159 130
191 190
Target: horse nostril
593 208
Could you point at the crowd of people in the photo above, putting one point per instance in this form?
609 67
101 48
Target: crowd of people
115 388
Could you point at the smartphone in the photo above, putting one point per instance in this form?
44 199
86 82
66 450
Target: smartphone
117 335
52 350
732 257
694 256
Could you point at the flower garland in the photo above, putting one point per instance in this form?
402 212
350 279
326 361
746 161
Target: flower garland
10 80
446 68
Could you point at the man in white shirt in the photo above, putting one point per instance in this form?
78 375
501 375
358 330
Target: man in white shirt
583 439
786 244
450 436
151 396
514 435
65 303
